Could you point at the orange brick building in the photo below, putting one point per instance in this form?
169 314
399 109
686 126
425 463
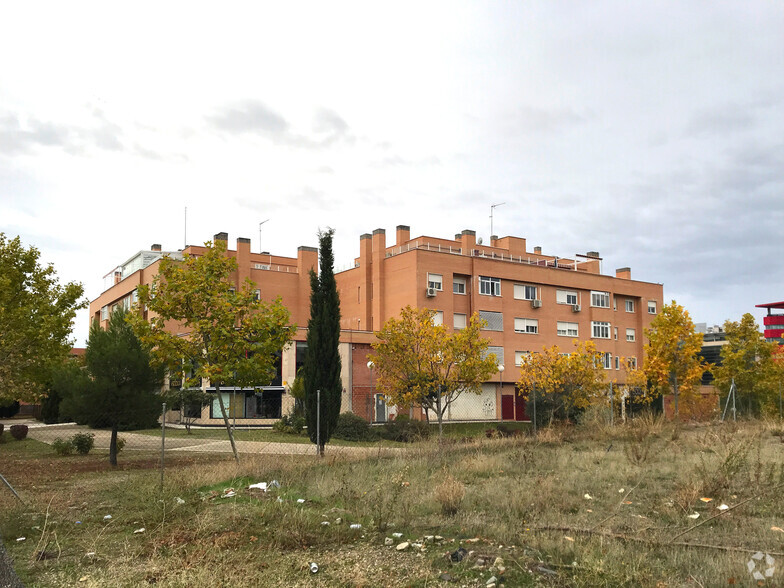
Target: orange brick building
528 299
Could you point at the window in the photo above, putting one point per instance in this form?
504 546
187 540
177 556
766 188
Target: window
458 285
438 317
435 281
134 297
630 335
600 299
489 286
257 295
460 321
651 307
520 357
631 363
600 330
524 292
630 306
617 362
104 313
232 290
494 320
568 329
565 297
498 352
529 326
615 333
607 360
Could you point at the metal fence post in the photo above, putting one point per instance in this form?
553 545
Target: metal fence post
163 442
612 407
318 422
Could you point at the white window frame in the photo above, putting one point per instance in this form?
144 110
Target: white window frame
438 317
490 317
600 327
615 333
631 363
600 299
629 305
489 286
631 335
525 292
458 284
134 297
526 326
567 329
651 307
435 281
105 313
617 362
457 322
607 360
257 294
569 297
519 355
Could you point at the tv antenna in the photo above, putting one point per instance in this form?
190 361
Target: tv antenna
492 206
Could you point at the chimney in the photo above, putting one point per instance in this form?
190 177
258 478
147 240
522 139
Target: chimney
221 237
538 250
155 247
117 277
592 254
624 273
468 241
402 234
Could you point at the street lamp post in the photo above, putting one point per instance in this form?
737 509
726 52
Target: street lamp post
372 397
261 223
501 385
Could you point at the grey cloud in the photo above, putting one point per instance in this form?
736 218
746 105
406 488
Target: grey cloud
251 116
254 117
533 119
17 138
731 118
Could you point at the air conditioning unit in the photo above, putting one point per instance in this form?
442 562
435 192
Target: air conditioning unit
575 308
536 304
431 292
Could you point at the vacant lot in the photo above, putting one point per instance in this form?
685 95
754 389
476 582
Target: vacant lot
639 505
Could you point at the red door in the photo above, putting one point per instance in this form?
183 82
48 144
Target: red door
519 406
507 407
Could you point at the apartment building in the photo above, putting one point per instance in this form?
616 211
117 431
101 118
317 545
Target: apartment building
528 298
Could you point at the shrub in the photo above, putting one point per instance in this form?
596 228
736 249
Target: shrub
62 447
120 444
83 442
449 494
352 427
291 424
405 429
18 432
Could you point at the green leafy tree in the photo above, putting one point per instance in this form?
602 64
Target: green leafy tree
66 379
420 363
124 386
749 360
672 360
197 317
564 384
35 320
322 360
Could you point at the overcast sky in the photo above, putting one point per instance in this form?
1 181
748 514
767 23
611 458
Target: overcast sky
652 132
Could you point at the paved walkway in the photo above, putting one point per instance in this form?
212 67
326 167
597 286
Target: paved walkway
140 442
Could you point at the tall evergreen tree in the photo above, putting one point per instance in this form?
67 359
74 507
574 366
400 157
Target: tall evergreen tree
124 386
322 360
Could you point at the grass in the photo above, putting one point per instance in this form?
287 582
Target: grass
579 506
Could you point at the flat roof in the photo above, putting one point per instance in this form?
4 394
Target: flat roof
771 305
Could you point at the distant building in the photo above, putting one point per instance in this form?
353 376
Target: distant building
774 322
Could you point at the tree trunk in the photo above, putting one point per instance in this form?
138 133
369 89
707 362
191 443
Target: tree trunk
113 446
440 419
226 422
675 396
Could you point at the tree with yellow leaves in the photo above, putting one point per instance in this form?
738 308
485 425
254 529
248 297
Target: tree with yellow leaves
564 384
423 364
672 360
227 334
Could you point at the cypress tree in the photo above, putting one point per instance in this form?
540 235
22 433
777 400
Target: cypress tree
322 360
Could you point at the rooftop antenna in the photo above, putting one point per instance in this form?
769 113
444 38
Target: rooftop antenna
492 206
261 223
